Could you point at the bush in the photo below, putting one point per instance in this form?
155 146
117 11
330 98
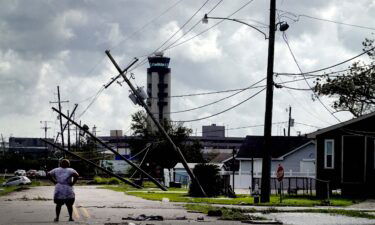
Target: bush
208 177
113 180
101 180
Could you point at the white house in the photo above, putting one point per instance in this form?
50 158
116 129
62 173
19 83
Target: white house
295 154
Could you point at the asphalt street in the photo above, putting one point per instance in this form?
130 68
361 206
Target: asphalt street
93 206
100 206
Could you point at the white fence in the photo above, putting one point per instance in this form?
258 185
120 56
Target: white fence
243 180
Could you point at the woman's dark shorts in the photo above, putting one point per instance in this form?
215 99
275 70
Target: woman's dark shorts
69 201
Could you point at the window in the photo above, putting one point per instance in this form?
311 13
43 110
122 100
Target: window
329 153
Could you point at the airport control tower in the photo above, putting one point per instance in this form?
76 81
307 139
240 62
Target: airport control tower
159 86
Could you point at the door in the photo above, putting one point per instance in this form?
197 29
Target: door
353 159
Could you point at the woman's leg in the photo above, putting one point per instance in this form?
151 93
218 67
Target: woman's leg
58 210
69 205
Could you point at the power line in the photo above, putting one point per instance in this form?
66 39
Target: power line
298 16
330 74
307 125
308 84
329 67
209 28
231 90
232 107
92 102
150 22
143 61
217 101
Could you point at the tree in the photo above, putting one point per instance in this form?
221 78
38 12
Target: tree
355 89
160 153
209 178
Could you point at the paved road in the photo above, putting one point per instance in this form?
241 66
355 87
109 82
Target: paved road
93 206
101 206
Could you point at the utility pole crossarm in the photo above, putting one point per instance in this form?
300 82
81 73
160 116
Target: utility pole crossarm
121 73
161 129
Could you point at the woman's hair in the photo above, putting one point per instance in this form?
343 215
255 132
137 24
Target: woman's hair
64 163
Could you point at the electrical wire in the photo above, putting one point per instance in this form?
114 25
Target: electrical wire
149 22
308 84
192 27
209 28
92 102
143 61
324 74
307 125
217 101
243 127
329 67
226 110
298 16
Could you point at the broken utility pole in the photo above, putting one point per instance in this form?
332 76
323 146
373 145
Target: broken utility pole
92 164
161 129
61 124
66 124
110 149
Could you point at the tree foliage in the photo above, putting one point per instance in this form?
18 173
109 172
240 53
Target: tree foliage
209 178
160 152
355 89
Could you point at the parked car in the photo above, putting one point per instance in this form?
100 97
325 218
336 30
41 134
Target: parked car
18 180
31 173
41 173
20 172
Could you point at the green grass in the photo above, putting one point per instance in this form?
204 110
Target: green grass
233 211
180 195
227 213
350 213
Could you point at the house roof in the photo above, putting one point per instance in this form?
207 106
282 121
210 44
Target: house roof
340 125
280 145
221 157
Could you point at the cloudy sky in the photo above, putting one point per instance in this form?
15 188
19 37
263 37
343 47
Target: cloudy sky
45 44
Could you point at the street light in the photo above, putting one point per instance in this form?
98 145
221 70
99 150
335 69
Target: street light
266 162
206 17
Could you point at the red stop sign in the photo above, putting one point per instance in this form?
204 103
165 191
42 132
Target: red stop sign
280 173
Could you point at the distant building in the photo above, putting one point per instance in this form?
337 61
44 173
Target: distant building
31 148
213 131
159 86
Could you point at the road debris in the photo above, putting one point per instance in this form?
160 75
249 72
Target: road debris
143 217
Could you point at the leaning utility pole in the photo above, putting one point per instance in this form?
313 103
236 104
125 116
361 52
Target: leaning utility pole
61 124
156 122
266 162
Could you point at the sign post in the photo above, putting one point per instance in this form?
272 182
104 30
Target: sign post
280 177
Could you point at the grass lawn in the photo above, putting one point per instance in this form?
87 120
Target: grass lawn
180 195
240 214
